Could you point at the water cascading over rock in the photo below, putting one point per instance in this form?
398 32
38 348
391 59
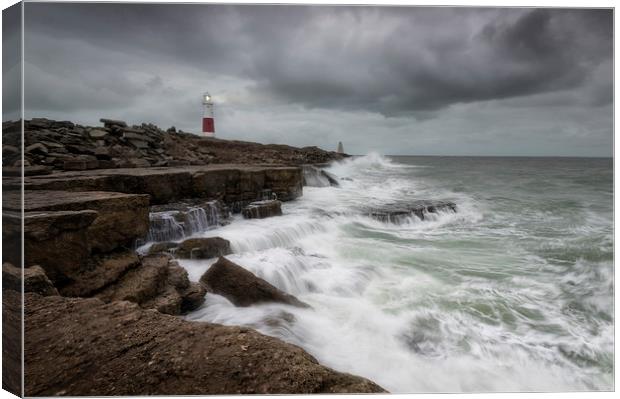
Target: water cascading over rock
186 220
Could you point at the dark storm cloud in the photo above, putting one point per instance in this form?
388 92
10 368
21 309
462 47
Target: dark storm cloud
406 80
395 61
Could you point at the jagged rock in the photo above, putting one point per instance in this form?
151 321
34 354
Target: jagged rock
157 282
100 272
262 209
129 351
193 296
35 280
169 147
243 288
203 248
398 213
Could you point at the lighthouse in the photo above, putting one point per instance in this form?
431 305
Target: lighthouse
208 123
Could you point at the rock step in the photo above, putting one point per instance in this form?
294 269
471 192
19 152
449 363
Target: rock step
230 183
121 218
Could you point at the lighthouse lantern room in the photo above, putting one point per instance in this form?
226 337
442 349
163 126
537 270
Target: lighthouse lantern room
208 123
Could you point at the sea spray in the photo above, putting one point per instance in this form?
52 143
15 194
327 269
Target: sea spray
510 293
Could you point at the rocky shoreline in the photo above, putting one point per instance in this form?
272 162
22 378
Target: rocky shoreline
101 318
107 305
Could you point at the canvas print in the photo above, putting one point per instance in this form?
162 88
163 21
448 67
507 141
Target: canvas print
205 199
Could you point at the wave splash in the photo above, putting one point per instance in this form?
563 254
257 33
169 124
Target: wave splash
398 302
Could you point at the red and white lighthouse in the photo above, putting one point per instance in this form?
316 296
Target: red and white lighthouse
208 123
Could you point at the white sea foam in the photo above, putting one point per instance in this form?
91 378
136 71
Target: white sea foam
467 301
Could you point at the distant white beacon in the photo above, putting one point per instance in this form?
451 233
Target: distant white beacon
208 123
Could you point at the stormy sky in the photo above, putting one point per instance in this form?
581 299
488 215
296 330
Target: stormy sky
396 80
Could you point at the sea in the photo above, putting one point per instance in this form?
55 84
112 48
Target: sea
513 292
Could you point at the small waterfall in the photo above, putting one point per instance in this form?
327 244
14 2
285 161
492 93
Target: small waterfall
197 220
177 224
164 227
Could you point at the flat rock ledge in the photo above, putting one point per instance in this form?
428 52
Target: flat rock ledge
398 213
231 183
242 287
84 347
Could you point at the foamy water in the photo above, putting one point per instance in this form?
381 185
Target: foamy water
511 293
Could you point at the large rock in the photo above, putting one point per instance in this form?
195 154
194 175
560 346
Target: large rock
83 347
34 280
203 248
262 209
241 287
100 272
157 282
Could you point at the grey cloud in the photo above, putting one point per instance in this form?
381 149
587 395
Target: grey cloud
401 75
390 60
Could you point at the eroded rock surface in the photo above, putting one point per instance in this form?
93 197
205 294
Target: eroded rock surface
243 288
34 280
84 347
156 282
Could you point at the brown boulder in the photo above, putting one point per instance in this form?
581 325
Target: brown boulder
35 280
83 347
157 282
262 209
160 247
243 288
203 248
100 272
